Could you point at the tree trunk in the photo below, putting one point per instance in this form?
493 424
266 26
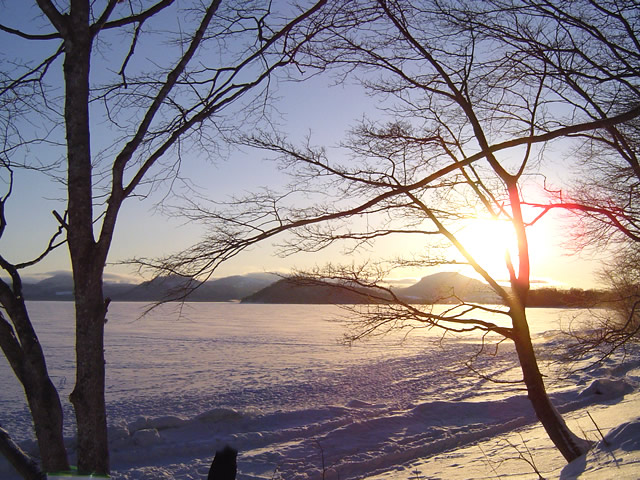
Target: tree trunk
87 259
24 465
88 396
25 355
570 445
46 412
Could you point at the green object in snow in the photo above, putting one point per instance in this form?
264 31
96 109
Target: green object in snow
73 473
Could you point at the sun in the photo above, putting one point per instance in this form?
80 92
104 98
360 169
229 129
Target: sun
488 242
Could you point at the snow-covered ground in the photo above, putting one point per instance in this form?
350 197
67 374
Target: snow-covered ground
521 451
273 382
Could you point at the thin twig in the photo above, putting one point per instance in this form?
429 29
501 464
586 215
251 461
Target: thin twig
604 440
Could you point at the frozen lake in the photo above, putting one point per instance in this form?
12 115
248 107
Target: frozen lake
274 381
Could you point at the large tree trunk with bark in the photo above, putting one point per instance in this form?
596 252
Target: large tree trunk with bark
88 396
87 258
570 445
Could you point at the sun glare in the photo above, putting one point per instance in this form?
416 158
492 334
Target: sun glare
488 241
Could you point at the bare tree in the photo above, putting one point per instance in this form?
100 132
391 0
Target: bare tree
474 93
605 205
594 59
155 77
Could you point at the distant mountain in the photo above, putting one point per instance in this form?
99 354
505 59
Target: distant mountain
446 287
266 288
56 287
60 287
443 287
232 288
297 291
157 289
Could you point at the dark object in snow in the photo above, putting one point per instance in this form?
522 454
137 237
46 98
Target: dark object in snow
224 465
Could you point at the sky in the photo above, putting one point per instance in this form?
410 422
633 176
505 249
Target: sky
315 107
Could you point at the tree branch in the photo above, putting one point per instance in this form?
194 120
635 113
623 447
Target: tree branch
55 17
22 462
29 36
138 18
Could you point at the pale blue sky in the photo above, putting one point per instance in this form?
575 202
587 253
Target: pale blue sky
315 106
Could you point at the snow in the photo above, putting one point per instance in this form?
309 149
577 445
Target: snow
272 382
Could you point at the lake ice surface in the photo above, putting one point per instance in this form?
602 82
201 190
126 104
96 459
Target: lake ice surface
275 382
